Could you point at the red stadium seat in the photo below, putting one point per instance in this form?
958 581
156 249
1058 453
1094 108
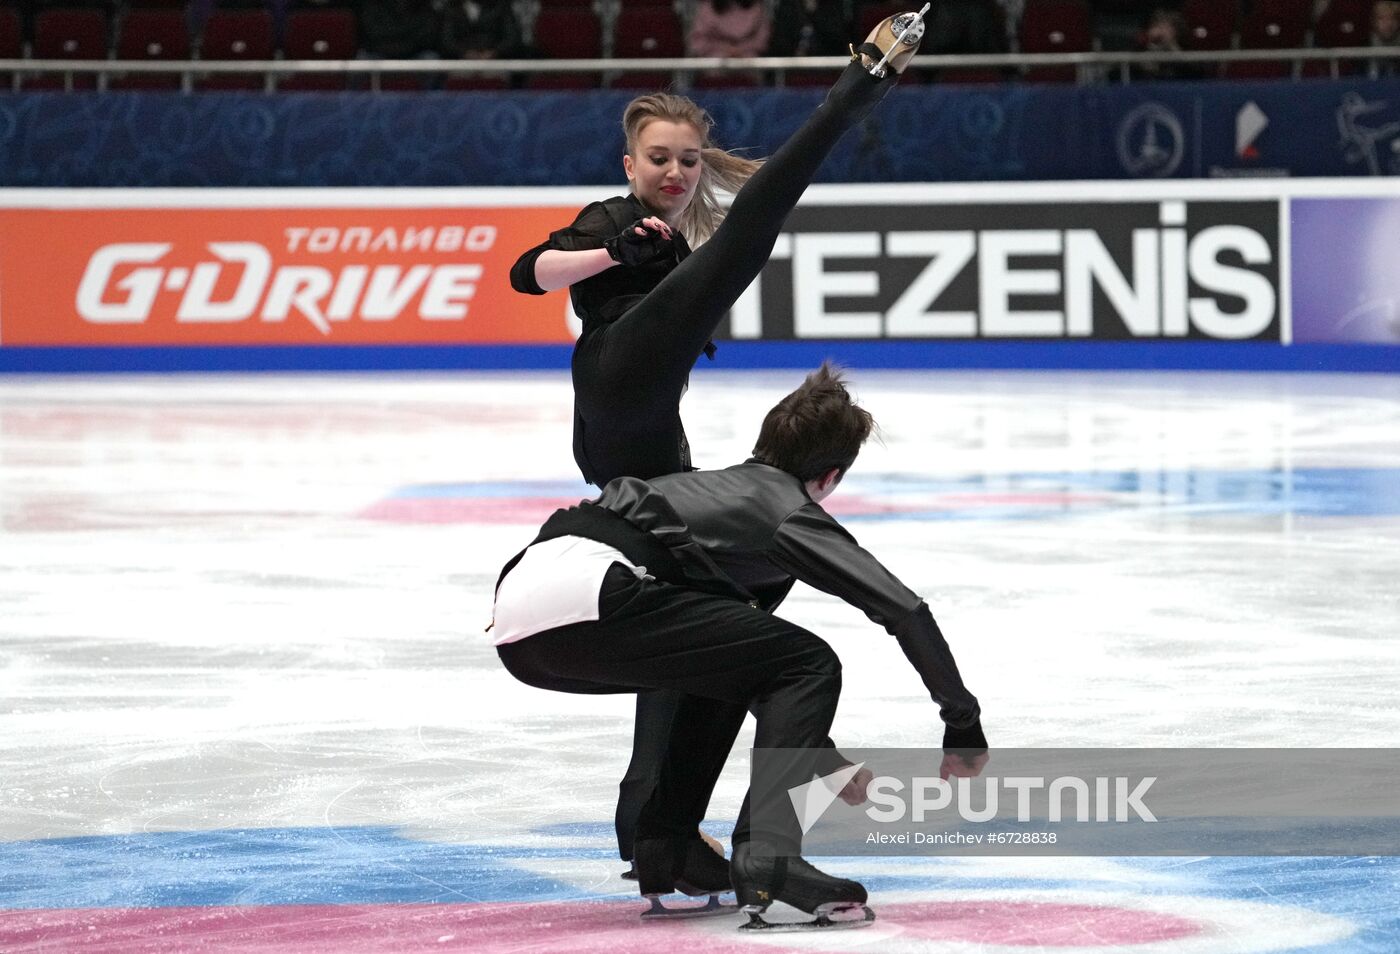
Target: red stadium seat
318 35
1264 30
68 34
236 35
1210 25
567 33
152 35
1055 26
869 15
1343 23
646 32
1298 11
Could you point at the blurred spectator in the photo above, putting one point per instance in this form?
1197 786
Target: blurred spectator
399 29
1385 31
729 28
1163 33
810 28
965 26
1011 11
481 30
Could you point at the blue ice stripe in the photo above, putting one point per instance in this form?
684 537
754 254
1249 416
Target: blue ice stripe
1066 355
1312 491
267 866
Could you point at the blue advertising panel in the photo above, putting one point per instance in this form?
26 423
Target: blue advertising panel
1346 284
921 133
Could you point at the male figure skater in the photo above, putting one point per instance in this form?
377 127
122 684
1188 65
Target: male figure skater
669 584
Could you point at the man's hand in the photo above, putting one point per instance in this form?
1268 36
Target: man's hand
639 243
964 752
854 792
963 763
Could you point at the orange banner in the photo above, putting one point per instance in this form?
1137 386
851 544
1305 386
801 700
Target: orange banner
218 276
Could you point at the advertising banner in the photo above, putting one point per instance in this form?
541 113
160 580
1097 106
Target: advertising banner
1245 130
922 132
272 276
1113 271
1346 286
1183 274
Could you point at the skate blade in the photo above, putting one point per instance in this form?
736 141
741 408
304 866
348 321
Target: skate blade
902 33
823 921
711 908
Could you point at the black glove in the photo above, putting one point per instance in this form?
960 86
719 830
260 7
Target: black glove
969 738
629 248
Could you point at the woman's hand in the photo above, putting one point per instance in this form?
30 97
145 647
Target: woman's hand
639 243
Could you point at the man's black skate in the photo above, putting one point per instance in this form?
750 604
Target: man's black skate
759 881
687 865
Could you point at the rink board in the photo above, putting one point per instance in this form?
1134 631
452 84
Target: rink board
1239 275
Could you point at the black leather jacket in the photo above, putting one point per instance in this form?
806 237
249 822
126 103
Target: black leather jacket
749 532
759 526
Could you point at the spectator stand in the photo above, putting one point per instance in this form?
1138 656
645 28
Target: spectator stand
633 44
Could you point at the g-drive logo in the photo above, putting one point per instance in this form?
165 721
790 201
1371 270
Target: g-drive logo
1099 799
321 275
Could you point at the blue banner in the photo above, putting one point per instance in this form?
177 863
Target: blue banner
920 134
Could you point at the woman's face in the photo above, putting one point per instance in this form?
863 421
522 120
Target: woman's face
666 167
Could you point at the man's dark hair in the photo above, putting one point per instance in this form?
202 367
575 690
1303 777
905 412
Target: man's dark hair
815 428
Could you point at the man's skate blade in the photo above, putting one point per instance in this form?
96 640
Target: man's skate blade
826 920
711 908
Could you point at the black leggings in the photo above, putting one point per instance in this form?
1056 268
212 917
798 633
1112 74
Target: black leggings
629 375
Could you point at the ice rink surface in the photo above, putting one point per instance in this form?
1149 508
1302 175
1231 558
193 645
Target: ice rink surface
247 704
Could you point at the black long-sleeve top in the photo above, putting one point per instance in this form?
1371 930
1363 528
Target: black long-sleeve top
608 294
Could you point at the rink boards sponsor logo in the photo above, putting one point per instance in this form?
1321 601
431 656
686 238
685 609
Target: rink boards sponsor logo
1346 288
277 276
1168 270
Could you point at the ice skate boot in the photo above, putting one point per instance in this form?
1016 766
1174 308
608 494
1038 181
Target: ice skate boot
759 881
688 865
875 65
892 44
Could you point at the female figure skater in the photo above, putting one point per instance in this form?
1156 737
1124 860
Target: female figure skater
649 305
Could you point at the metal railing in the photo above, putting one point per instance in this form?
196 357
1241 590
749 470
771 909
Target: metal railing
1090 66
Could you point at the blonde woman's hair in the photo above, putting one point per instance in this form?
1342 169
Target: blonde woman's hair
719 170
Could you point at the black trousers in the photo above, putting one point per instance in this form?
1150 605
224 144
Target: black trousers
629 375
720 658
